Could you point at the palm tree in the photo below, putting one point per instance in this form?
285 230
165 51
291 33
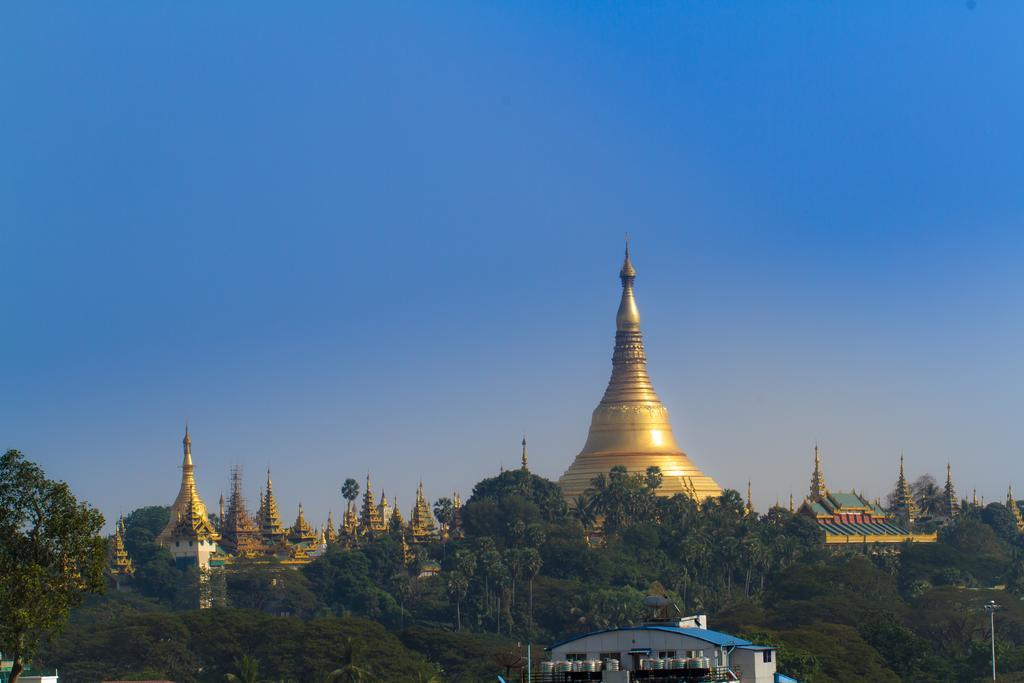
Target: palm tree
248 670
583 511
458 586
531 564
653 477
350 489
353 667
928 495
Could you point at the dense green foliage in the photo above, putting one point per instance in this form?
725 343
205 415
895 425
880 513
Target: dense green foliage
51 554
527 568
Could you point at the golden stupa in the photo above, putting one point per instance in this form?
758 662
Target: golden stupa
188 500
630 426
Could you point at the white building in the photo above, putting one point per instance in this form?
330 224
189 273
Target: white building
682 644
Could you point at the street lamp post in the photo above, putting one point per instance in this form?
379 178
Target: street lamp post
991 608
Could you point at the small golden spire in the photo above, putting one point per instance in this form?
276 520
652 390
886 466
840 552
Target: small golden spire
1014 508
791 509
187 445
818 488
749 508
950 502
628 317
396 514
904 502
524 453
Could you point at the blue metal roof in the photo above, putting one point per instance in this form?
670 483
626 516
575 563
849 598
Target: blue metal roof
713 637
783 678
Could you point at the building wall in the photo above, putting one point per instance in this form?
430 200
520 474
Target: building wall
185 551
752 665
625 640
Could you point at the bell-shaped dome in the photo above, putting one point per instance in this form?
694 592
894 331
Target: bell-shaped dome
630 426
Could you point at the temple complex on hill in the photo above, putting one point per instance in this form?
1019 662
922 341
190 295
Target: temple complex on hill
849 518
630 426
193 539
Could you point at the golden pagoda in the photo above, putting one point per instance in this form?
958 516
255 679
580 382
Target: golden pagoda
370 519
301 531
194 525
240 532
188 498
818 488
350 521
421 522
903 502
1014 509
408 556
270 520
330 533
748 508
630 426
121 565
396 523
456 526
383 509
950 503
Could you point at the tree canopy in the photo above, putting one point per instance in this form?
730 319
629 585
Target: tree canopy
51 554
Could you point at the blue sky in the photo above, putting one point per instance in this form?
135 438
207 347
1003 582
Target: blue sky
385 236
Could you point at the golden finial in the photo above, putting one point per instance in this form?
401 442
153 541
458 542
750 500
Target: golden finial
627 319
524 452
187 445
750 501
628 270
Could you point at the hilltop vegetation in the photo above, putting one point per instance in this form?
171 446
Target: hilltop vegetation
524 571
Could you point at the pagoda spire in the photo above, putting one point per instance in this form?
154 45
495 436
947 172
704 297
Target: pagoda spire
748 509
421 522
270 524
330 533
1011 503
903 503
818 489
187 446
974 497
524 467
370 519
791 502
121 565
396 522
187 495
950 503
630 425
301 531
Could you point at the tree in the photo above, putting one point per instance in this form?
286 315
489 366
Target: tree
653 477
353 661
350 489
531 566
458 586
927 495
444 510
51 555
248 670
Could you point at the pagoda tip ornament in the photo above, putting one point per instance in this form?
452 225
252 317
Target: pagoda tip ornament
630 425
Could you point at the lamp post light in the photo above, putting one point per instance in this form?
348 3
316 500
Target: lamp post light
991 608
